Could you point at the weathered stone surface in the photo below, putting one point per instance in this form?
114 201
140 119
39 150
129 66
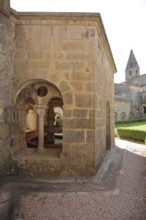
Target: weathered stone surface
73 136
68 98
7 45
82 76
84 100
67 113
79 32
78 123
81 113
80 56
90 137
71 58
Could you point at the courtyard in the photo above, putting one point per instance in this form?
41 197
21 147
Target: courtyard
117 192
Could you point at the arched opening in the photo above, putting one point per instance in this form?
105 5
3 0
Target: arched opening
130 73
54 123
108 127
144 109
40 123
123 116
136 72
130 115
116 115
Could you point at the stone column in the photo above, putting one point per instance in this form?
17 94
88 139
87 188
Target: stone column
41 111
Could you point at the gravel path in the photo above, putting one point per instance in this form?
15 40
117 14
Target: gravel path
127 201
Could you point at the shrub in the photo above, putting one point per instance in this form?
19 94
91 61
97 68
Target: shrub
132 134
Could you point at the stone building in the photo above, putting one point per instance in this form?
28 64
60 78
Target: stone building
56 93
130 96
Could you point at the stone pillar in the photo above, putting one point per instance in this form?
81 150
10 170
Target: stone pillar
41 111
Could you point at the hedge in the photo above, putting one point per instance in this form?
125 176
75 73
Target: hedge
132 134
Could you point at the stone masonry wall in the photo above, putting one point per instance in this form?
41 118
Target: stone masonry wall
7 46
63 54
128 100
104 92
73 54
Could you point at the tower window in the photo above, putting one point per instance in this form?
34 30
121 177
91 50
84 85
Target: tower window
130 73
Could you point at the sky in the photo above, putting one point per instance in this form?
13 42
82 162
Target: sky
124 22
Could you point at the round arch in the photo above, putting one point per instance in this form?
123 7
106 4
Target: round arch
31 104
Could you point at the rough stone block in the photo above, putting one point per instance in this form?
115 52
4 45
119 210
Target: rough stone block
89 87
78 32
81 113
84 100
61 32
75 66
80 56
64 86
73 136
79 123
68 45
78 86
4 132
90 137
39 64
67 113
82 76
68 98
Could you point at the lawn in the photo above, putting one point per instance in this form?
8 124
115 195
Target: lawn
135 130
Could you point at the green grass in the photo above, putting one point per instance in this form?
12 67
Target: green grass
135 130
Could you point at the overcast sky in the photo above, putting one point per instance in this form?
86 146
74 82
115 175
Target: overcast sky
124 22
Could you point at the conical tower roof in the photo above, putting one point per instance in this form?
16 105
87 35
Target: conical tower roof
132 62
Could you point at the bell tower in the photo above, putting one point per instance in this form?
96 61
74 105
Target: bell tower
132 68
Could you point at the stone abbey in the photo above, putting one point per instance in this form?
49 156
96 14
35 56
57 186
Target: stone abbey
130 95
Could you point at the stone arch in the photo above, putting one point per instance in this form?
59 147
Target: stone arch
31 82
116 115
108 126
32 103
131 115
144 108
123 116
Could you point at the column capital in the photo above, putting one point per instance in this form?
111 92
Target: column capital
41 109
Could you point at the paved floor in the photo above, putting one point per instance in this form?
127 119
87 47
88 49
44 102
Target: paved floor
117 193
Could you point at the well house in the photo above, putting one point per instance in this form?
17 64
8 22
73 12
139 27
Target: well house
56 93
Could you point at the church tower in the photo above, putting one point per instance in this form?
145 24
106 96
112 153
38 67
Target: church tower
132 68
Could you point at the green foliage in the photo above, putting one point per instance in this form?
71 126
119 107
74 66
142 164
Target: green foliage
132 134
139 121
135 130
59 122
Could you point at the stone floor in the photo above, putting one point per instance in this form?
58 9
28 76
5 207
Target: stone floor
118 192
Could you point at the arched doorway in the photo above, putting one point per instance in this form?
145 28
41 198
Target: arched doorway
36 124
108 127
